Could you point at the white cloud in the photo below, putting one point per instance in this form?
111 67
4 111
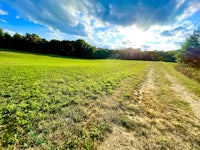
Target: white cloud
152 39
63 15
9 32
2 12
2 20
17 17
191 9
112 23
56 34
179 3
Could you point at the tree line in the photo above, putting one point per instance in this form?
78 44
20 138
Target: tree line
34 43
137 54
79 48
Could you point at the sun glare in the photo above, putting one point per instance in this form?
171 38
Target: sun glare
136 36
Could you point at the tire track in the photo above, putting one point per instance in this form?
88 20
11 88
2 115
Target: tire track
182 92
121 138
148 85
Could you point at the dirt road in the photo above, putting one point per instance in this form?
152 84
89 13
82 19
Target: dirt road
163 104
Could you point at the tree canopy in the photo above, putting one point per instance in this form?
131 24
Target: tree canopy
190 51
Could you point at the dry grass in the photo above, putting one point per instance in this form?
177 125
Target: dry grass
160 120
193 73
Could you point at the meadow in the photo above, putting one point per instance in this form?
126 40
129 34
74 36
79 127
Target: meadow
52 102
44 99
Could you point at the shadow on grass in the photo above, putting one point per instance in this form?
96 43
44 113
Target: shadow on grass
42 54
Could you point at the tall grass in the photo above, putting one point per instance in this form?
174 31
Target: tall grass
190 72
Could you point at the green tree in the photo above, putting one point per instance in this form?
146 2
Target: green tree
33 38
83 49
190 51
17 36
1 33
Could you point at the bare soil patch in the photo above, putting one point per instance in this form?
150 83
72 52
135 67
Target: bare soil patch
120 139
148 85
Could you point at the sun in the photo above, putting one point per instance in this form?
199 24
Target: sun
136 36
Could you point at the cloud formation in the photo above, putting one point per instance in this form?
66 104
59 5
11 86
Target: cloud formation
61 15
143 13
67 16
181 28
3 21
106 21
2 12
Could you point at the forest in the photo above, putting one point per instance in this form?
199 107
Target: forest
78 48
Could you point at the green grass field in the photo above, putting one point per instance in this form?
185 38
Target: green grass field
43 99
50 102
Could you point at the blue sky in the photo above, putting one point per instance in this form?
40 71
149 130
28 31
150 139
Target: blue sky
115 24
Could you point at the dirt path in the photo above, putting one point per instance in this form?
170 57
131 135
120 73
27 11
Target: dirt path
148 85
181 91
121 138
149 101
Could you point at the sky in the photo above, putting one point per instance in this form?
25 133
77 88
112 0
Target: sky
114 24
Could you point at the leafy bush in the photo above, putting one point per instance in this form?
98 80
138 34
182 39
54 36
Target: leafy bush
190 52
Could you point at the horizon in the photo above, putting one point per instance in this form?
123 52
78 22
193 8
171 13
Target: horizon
114 24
